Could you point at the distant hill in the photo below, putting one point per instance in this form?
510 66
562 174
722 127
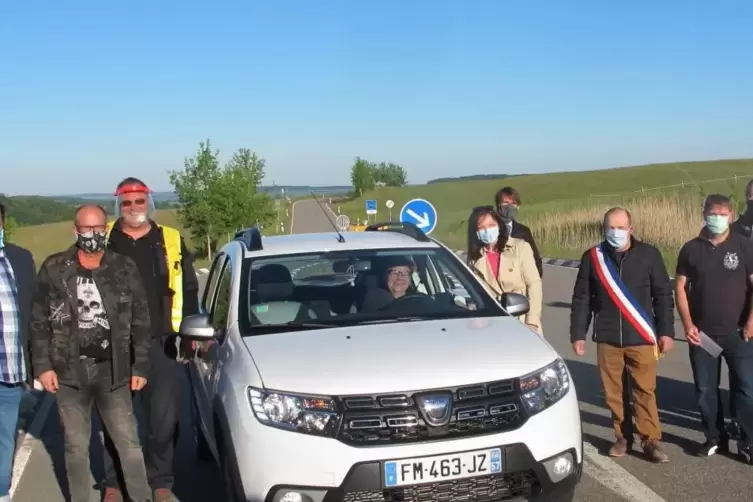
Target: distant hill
474 177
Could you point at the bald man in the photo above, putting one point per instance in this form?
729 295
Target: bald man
623 284
90 343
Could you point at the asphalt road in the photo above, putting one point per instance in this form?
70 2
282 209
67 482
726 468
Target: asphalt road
685 477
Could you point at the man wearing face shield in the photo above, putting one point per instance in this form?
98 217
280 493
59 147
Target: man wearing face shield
713 290
166 267
507 200
632 325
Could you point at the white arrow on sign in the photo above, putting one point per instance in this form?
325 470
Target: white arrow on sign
422 221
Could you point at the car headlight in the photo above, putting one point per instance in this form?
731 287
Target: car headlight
544 387
305 414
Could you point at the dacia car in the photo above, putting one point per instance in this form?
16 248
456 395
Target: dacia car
371 367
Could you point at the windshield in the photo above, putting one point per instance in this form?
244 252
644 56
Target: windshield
359 287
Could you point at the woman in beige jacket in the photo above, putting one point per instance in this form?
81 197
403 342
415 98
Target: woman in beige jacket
505 264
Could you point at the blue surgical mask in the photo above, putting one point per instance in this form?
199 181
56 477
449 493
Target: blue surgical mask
618 238
717 224
488 235
2 238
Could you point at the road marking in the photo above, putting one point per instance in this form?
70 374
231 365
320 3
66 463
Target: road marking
616 478
30 440
292 214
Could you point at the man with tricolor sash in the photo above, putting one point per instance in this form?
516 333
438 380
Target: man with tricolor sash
623 285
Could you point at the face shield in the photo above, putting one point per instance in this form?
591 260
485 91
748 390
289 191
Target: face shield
134 204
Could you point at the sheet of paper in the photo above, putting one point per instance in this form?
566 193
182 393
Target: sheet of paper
710 345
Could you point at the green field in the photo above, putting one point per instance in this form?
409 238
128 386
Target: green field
564 209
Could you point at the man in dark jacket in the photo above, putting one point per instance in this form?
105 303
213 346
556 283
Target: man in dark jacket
507 200
90 345
166 267
17 276
633 324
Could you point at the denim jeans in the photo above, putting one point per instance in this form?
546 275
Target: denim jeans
10 400
706 372
116 414
161 403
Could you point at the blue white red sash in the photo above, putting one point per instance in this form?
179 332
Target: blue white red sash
609 277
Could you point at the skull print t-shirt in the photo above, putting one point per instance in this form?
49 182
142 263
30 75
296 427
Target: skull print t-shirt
93 324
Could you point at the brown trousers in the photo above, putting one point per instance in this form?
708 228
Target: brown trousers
640 364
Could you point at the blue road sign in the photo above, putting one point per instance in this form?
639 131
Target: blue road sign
371 206
421 213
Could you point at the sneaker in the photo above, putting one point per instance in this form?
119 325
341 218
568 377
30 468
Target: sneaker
164 495
746 452
710 448
112 495
654 452
619 448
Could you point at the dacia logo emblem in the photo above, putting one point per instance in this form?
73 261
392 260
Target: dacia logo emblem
436 409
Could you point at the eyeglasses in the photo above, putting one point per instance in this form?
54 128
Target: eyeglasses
136 202
85 230
401 274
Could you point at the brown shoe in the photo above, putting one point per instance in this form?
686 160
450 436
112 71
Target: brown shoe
619 448
164 495
654 452
112 495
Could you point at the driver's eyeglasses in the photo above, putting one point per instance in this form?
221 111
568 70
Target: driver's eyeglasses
136 202
399 274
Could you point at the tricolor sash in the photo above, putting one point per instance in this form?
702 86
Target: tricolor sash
631 310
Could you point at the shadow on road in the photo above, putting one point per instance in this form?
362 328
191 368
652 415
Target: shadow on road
675 399
559 305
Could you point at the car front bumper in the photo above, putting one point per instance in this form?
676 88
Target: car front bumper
272 462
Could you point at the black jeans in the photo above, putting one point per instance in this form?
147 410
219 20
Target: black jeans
161 402
115 410
706 372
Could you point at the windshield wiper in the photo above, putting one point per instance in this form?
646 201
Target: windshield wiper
393 319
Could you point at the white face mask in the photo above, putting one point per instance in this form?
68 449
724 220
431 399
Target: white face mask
618 238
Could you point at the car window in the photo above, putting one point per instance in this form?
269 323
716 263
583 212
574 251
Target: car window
341 288
211 284
221 309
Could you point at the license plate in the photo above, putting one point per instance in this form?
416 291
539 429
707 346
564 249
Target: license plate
414 471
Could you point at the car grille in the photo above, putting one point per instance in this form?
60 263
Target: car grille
492 488
395 418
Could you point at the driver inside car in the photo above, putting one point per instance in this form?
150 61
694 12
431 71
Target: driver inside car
396 284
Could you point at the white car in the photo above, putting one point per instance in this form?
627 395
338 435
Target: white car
343 368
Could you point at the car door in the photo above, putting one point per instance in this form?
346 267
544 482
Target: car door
212 354
198 368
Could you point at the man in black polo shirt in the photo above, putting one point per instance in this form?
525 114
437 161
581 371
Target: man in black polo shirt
712 290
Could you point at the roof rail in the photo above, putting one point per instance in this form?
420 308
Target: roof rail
402 227
251 238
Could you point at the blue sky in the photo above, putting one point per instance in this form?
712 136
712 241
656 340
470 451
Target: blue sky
93 91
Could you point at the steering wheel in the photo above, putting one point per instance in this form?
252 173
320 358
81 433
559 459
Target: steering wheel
404 300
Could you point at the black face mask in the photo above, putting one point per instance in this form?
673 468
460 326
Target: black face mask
749 208
508 212
91 242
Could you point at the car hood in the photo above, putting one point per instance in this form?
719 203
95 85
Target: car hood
403 356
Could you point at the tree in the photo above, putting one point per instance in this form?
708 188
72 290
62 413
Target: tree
197 189
242 203
11 227
362 176
365 175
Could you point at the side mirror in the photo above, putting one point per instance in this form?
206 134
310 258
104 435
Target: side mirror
197 327
515 304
